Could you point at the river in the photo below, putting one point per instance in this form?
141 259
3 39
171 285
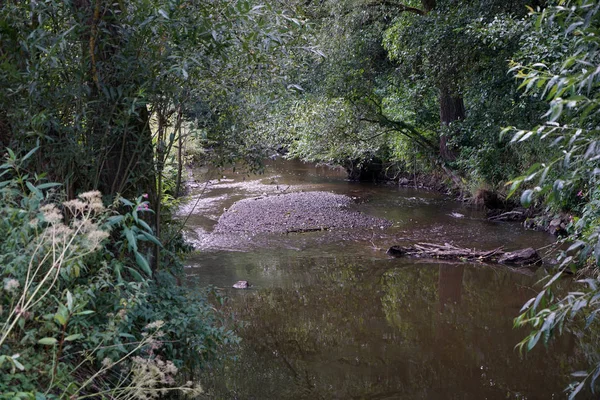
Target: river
331 316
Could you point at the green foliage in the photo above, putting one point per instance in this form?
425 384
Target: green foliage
558 63
376 90
79 314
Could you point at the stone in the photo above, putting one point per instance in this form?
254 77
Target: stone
556 227
526 256
241 285
396 251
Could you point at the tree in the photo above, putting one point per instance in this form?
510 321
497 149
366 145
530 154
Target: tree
412 81
559 63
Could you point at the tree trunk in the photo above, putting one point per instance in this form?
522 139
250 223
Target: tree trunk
452 108
428 5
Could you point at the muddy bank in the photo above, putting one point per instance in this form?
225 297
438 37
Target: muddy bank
295 213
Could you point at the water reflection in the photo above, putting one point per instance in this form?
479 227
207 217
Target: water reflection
354 330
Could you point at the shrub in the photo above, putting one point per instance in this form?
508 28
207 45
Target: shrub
81 312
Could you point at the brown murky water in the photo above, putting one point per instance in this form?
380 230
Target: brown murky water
330 316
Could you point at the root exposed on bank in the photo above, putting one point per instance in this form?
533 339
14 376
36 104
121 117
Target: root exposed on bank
447 251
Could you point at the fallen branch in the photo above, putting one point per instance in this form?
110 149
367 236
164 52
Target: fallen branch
450 252
508 216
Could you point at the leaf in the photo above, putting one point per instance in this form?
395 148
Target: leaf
61 319
551 281
31 152
69 301
526 198
48 341
295 87
34 190
145 225
152 239
533 340
526 136
576 390
526 305
84 312
17 364
577 245
126 202
572 27
136 275
131 240
538 299
48 185
143 263
76 336
163 13
513 188
115 219
580 374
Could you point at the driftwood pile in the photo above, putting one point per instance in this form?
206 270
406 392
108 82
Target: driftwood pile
449 252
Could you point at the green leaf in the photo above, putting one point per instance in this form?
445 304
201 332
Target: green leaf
533 340
143 263
131 240
145 225
136 275
60 318
515 185
69 301
48 341
17 364
76 336
126 202
526 198
34 190
31 152
115 219
84 312
48 185
152 239
163 13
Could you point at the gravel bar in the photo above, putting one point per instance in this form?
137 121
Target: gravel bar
294 212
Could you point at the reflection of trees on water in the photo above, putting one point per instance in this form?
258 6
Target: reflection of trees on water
352 331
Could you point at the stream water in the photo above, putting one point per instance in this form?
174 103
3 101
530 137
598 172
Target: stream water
331 316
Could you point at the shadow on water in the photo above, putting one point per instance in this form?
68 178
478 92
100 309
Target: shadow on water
330 316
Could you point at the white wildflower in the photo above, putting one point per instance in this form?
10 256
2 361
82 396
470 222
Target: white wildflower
107 363
96 237
51 214
76 206
155 325
90 196
11 285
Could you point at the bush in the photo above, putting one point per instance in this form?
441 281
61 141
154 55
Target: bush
81 312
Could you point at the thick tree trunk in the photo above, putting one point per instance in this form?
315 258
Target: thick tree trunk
428 5
452 108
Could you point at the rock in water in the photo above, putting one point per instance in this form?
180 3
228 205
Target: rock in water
526 256
397 251
241 285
